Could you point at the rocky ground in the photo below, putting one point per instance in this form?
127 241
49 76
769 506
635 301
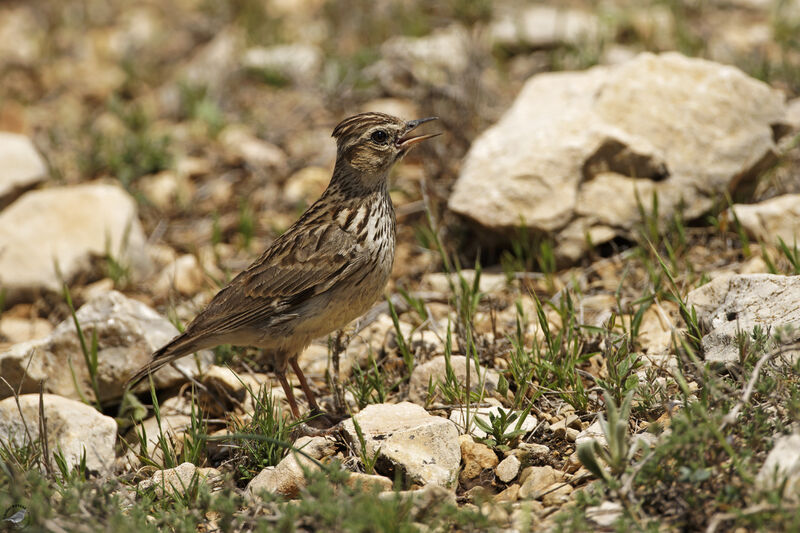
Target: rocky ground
592 323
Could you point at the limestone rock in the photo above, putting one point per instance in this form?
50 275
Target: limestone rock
424 448
296 62
593 432
433 58
241 145
306 185
21 37
476 456
544 27
782 465
15 329
793 114
68 227
214 63
440 281
556 494
23 167
605 514
435 370
425 502
176 480
166 189
128 332
315 361
655 332
183 275
71 425
530 452
730 304
369 482
510 494
287 478
537 479
508 469
576 149
768 220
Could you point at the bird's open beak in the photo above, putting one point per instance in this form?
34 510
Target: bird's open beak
406 141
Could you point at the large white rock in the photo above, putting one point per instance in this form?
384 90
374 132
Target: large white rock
72 426
22 166
575 150
770 219
736 303
63 229
423 448
128 332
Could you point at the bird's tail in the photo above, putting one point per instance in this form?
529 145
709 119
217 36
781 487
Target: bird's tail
181 345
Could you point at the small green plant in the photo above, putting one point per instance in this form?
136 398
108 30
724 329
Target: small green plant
621 364
498 428
196 103
117 268
740 231
367 459
791 254
556 356
520 362
69 475
179 494
370 385
414 303
134 152
403 345
452 391
521 256
174 450
247 224
694 329
20 457
268 420
89 355
620 451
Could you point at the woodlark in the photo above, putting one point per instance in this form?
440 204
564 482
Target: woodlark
326 270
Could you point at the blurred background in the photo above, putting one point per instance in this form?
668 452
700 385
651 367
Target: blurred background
216 115
157 148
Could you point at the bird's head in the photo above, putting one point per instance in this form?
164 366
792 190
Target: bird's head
371 143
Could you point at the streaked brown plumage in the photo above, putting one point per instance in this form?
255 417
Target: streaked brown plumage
323 272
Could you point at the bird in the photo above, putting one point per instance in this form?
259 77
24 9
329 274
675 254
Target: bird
326 270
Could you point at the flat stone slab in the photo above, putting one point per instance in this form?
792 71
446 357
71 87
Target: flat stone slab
423 448
730 304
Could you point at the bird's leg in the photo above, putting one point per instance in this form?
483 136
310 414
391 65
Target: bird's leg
337 345
281 375
312 401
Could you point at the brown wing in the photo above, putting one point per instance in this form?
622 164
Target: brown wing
298 265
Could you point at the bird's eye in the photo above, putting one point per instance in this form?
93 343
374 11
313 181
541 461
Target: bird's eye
379 137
